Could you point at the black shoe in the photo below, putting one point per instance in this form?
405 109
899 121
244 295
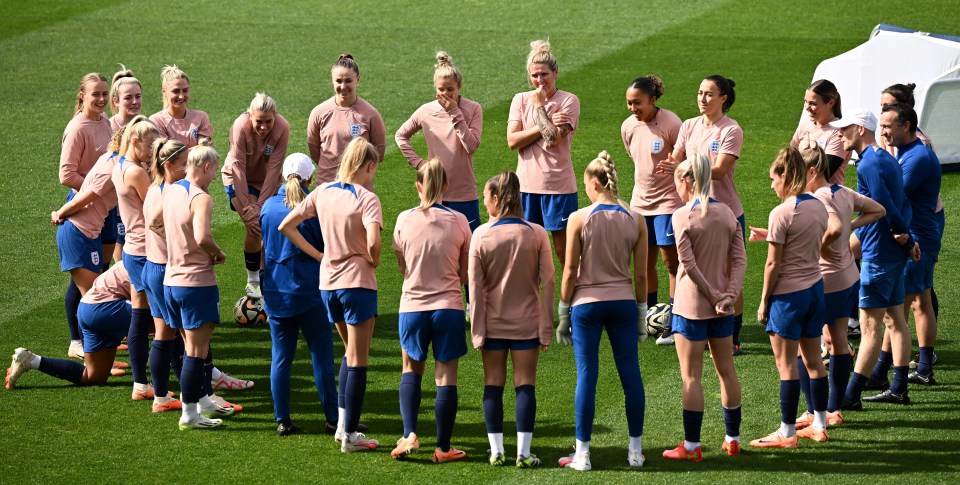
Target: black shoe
848 405
737 351
926 380
876 385
890 397
288 428
331 428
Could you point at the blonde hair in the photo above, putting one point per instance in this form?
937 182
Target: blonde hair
604 170
139 127
346 61
165 150
815 158
432 177
696 169
123 77
540 54
294 191
264 103
358 153
506 188
92 77
444 69
169 74
789 165
201 155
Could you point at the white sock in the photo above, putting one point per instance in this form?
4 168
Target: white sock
635 444
141 387
162 400
253 276
217 374
76 342
582 447
496 443
341 419
206 402
731 439
819 420
35 362
190 412
352 436
853 323
523 443
788 430
690 445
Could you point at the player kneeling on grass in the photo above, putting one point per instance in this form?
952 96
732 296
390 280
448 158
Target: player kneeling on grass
104 317
791 304
432 243
601 238
713 263
291 295
511 309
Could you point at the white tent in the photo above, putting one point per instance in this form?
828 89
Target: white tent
896 55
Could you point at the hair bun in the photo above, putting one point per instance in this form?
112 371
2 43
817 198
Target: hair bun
731 82
911 86
443 58
345 55
540 46
603 155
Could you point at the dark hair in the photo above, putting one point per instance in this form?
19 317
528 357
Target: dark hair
903 93
725 86
905 114
650 85
346 61
827 91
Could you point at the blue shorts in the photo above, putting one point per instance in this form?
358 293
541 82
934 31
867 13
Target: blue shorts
442 327
191 307
840 304
134 265
881 284
549 210
113 229
797 315
103 324
510 344
918 275
77 250
470 209
152 279
660 230
700 330
350 305
231 193
743 226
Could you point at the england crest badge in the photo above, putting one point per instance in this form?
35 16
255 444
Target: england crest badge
715 146
657 146
268 150
355 129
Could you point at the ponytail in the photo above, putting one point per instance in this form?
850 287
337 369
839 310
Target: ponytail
696 170
789 165
346 61
604 170
139 127
814 157
506 188
432 178
294 191
165 150
358 153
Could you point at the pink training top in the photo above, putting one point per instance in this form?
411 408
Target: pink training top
839 268
131 209
111 285
451 137
156 246
649 144
798 224
510 259
331 128
84 140
344 211
609 235
187 264
116 122
254 161
434 246
829 139
542 169
194 125
89 219
724 136
710 245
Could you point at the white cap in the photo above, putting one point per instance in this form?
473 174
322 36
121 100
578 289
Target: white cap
298 163
860 117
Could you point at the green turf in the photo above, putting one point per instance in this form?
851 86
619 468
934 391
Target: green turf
50 432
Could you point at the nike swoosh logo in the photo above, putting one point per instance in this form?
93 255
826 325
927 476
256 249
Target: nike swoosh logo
863 298
669 234
564 219
99 148
471 222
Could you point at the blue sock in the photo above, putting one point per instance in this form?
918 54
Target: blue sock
789 398
731 420
526 408
805 384
138 343
71 302
925 362
191 379
737 326
899 383
819 393
855 388
446 410
410 396
207 384
882 368
342 385
493 408
692 422
65 369
356 389
651 299
177 353
839 378
160 365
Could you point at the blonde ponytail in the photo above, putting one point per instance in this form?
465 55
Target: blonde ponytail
697 170
432 178
294 191
604 170
358 153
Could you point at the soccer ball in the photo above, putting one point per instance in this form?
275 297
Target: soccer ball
248 312
658 316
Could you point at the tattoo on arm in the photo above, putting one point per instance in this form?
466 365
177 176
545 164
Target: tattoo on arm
547 130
